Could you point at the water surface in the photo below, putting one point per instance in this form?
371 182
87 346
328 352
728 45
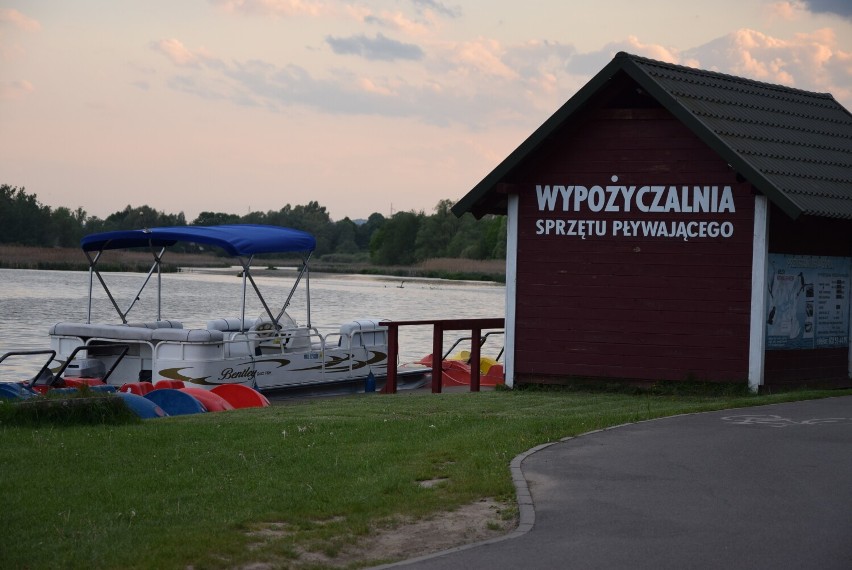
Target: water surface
32 301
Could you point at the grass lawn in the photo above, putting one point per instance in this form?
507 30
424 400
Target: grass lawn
192 490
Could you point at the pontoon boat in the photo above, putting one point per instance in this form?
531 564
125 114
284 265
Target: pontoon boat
271 352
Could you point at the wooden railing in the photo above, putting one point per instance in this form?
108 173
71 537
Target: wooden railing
475 326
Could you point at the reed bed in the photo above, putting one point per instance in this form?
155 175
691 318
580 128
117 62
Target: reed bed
68 259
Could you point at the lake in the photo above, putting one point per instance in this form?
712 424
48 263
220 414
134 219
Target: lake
32 301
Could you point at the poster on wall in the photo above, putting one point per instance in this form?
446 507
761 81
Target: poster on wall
807 302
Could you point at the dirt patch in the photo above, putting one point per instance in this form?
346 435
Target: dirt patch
468 524
471 523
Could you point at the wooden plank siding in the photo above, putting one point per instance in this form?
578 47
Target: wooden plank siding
646 308
607 305
808 236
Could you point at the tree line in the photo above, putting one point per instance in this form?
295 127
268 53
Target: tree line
405 238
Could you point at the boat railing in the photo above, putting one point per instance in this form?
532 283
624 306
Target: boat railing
119 351
43 369
310 340
288 339
482 341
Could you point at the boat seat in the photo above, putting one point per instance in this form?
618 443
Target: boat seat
125 332
89 330
187 335
166 324
229 324
362 332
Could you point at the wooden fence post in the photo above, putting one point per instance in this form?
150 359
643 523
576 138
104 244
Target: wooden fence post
437 356
393 350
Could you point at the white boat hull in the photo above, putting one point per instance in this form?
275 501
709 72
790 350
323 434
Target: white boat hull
271 371
207 357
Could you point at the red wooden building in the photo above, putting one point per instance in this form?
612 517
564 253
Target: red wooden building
670 223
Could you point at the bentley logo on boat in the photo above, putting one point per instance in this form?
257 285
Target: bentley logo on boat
230 373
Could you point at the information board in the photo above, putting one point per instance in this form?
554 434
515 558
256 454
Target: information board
808 302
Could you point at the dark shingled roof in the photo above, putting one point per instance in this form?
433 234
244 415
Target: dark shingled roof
794 146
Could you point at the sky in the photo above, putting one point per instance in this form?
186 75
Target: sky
376 106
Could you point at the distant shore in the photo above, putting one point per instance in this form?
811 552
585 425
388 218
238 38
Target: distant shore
68 259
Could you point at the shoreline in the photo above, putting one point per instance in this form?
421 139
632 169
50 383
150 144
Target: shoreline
68 259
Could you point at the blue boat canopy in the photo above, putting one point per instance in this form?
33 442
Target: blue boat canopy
236 240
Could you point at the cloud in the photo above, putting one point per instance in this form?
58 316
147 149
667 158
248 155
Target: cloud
15 90
438 7
280 8
177 52
842 8
182 56
262 84
791 10
540 65
398 21
380 48
480 83
591 62
12 51
787 11
481 57
18 20
812 62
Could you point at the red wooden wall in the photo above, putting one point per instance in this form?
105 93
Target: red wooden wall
648 308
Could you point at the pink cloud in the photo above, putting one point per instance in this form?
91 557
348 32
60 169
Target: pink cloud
653 51
19 20
182 55
481 56
15 90
282 8
787 11
394 21
812 61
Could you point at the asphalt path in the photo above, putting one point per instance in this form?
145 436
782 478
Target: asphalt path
763 487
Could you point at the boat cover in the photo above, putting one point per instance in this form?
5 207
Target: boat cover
236 239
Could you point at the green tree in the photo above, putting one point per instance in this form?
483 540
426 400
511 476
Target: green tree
67 227
394 243
436 232
365 231
345 232
131 218
311 218
494 237
215 219
467 242
23 219
405 238
258 218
